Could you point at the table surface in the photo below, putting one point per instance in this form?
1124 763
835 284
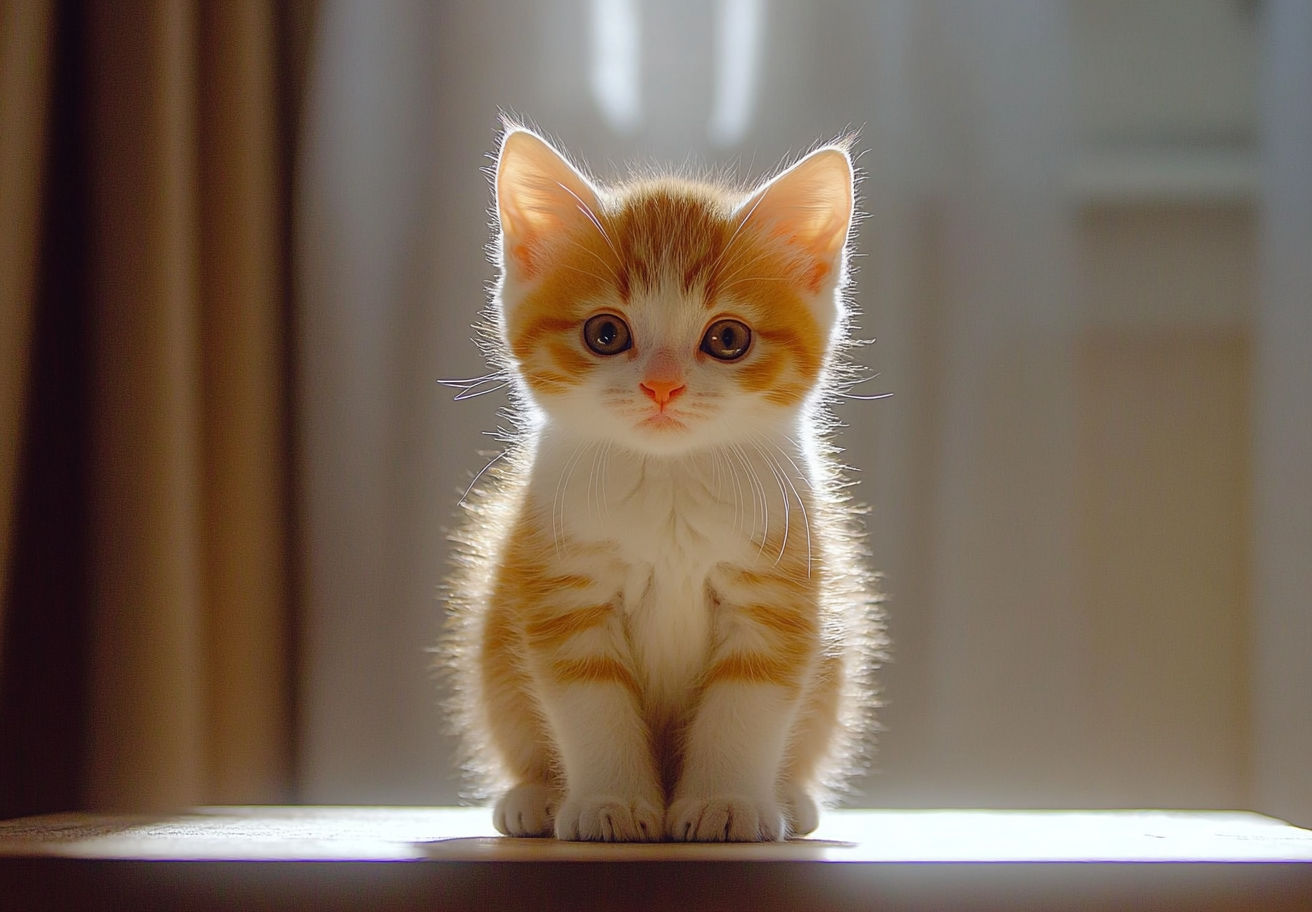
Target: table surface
466 834
344 857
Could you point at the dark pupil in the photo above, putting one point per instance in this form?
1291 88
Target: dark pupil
727 340
606 334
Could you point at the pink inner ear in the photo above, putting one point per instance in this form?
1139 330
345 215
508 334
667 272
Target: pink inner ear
809 207
522 258
815 277
539 195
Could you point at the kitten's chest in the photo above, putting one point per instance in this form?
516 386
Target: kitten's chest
671 528
668 523
651 531
677 517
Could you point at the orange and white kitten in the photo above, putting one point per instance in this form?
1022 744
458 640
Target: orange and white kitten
661 625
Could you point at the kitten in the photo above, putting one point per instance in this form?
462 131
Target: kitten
661 626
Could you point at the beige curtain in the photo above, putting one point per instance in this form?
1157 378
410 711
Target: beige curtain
25 37
190 108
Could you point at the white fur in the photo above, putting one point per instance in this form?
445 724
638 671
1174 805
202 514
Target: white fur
674 523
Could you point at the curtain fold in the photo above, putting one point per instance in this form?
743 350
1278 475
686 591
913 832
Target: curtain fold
190 588
147 726
244 439
26 30
189 127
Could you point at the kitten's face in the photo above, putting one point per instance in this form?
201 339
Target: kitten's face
667 316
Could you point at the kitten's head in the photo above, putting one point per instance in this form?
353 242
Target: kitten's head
668 315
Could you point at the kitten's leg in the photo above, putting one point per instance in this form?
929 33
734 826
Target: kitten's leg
583 673
591 697
810 745
515 727
767 643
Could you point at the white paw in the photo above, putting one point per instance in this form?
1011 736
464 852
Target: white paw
802 811
725 818
526 810
608 818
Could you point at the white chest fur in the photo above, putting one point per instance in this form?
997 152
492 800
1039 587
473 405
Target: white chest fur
654 527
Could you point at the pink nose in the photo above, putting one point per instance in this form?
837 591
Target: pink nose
662 379
662 391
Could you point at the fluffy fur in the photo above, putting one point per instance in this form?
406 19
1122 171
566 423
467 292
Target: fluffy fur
661 625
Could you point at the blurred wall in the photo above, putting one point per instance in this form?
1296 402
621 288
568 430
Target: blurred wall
1060 262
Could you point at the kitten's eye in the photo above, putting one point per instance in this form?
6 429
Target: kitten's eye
727 340
607 334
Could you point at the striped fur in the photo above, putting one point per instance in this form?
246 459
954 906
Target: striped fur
661 625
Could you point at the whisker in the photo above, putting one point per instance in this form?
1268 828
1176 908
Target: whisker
806 480
757 488
732 278
480 474
605 498
596 256
741 280
715 470
739 515
777 472
581 271
806 520
734 237
592 217
742 499
592 481
474 381
562 487
472 395
866 379
737 270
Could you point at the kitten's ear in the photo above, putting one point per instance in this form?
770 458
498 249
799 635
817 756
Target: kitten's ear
539 196
809 207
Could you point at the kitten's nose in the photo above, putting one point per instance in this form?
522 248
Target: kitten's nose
663 378
662 391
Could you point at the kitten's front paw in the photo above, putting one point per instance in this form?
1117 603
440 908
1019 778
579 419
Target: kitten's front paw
802 812
608 818
725 818
526 810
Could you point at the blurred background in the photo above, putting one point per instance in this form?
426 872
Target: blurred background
241 242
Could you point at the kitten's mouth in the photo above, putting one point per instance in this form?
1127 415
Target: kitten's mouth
662 421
